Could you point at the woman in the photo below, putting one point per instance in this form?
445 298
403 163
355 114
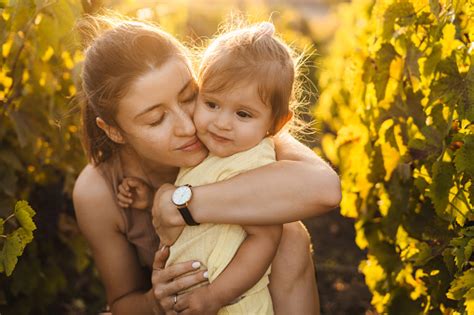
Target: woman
139 93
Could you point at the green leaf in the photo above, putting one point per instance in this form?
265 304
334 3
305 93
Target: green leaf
464 159
461 285
443 173
23 205
25 220
11 250
384 58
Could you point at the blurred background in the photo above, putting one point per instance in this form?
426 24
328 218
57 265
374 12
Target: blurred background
389 86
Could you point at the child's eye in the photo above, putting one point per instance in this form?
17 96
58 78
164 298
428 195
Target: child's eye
244 114
212 105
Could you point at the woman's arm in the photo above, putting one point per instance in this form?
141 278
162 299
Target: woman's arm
127 288
298 186
100 222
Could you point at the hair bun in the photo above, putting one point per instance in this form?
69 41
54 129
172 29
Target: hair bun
266 28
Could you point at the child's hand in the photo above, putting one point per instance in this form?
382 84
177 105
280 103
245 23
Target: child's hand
134 193
199 301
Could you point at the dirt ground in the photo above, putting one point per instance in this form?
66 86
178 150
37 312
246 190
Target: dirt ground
342 289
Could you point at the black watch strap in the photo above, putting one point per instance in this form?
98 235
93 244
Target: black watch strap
188 218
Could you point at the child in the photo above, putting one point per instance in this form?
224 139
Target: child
246 84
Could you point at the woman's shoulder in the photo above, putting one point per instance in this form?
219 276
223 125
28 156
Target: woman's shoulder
90 183
93 198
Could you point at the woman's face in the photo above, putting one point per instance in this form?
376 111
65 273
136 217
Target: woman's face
155 117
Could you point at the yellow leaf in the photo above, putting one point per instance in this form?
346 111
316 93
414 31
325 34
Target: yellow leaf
48 54
66 56
449 41
6 48
5 80
469 303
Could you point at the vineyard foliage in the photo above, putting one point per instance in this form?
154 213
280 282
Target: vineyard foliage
41 153
397 95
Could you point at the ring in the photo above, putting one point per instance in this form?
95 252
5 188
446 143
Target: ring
175 298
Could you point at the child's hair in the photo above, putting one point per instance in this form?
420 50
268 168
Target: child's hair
252 53
118 51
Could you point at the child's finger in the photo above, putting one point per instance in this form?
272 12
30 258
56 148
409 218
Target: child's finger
126 184
124 199
123 191
123 205
135 183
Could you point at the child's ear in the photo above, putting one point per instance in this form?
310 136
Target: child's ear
112 132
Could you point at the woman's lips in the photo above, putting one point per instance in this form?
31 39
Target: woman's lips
192 145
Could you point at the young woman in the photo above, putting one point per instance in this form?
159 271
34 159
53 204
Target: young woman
139 93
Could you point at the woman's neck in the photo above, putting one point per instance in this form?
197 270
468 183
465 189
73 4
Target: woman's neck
154 175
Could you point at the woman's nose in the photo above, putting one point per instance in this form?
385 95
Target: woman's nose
184 124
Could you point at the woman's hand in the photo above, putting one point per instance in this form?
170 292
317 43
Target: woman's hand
199 301
168 282
166 218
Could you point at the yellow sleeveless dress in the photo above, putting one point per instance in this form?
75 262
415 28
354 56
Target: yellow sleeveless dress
214 245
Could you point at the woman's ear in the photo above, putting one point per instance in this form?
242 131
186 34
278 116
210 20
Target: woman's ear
112 132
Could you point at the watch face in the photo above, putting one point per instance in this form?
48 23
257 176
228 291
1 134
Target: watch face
181 195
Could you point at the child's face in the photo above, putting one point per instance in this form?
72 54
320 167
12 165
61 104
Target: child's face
232 121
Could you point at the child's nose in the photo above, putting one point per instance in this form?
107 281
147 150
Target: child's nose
224 121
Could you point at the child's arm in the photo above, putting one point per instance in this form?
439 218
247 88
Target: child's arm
248 266
135 193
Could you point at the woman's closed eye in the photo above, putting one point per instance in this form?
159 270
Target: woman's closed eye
157 121
189 99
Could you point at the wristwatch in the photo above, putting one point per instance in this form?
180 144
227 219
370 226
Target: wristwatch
181 197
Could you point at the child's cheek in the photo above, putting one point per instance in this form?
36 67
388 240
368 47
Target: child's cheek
199 120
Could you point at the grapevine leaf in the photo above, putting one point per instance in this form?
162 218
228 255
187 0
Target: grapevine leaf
420 149
435 7
382 63
469 303
11 250
464 157
460 285
23 205
432 60
25 220
443 173
414 107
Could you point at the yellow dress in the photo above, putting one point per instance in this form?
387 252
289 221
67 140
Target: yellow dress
214 245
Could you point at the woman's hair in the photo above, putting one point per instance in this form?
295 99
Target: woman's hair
118 51
252 54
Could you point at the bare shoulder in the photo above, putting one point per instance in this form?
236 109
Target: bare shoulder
94 202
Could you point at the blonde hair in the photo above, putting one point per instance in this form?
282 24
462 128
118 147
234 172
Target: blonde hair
254 53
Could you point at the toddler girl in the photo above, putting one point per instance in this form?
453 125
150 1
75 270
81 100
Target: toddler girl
246 84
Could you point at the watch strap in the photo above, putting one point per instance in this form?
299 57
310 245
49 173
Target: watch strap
188 218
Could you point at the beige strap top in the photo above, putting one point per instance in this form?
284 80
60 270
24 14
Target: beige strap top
139 229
